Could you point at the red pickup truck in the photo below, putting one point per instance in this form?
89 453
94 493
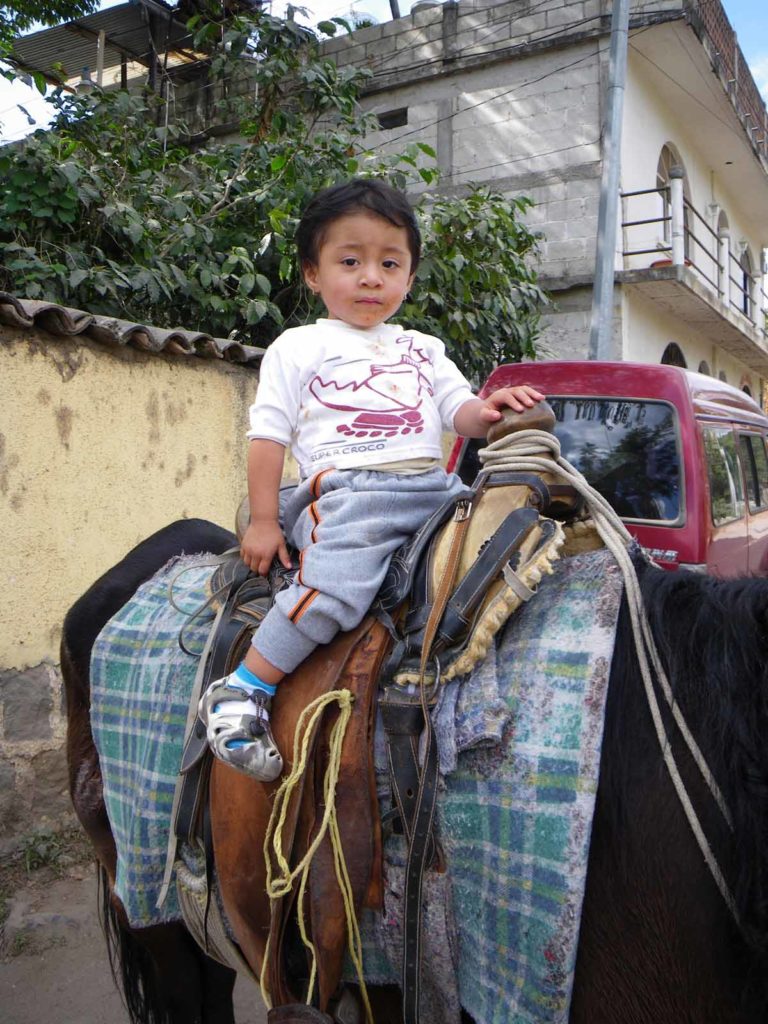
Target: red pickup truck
681 456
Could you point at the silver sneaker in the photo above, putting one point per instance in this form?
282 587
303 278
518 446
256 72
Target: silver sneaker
241 738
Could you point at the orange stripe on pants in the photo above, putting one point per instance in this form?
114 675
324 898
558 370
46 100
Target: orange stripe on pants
314 485
301 605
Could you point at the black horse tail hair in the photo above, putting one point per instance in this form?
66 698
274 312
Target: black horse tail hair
130 963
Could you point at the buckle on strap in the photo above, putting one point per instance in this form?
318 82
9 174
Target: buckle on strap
463 510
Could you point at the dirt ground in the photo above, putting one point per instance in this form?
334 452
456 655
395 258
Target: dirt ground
53 961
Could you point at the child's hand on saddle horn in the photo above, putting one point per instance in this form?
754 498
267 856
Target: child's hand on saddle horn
518 398
262 540
475 416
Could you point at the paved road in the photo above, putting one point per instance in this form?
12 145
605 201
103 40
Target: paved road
54 966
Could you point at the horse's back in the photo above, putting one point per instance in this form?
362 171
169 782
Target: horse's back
110 592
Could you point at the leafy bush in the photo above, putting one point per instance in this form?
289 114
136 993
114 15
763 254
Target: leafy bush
28 14
116 211
476 287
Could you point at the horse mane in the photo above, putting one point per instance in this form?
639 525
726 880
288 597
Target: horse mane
712 636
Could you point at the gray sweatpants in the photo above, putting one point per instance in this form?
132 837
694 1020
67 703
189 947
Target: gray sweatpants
346 524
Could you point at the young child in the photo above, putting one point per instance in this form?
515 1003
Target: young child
363 404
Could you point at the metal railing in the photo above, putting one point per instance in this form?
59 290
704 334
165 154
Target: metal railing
662 222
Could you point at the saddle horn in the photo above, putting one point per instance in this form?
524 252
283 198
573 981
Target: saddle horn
539 417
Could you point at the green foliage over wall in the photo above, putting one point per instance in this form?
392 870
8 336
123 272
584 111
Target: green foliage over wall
118 211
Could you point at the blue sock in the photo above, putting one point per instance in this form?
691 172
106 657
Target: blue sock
251 681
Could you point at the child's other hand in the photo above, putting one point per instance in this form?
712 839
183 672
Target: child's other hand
518 398
261 542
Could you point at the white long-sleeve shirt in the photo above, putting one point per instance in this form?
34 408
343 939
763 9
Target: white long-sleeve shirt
348 398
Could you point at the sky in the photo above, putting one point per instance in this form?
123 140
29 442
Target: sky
747 17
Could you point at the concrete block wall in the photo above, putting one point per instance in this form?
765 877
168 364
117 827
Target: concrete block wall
566 326
422 42
423 124
509 95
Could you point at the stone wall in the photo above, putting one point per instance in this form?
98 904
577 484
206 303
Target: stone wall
99 447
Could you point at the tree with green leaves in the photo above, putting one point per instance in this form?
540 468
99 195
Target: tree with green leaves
24 16
120 210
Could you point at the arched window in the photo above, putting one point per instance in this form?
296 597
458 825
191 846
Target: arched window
673 356
704 368
746 268
669 158
747 390
721 376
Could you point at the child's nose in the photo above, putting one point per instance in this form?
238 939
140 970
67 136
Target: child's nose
371 275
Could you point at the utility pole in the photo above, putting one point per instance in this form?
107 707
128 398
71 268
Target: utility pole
601 333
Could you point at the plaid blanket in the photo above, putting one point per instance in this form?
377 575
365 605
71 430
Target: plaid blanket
141 684
501 927
520 742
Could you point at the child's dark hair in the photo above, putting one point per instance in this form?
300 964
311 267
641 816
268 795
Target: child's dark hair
356 196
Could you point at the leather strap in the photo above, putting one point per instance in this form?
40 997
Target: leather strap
540 492
297 1013
217 665
461 605
195 765
426 795
403 564
403 721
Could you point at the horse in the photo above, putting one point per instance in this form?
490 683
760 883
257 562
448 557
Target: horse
657 943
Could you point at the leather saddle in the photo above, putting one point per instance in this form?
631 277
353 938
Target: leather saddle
501 530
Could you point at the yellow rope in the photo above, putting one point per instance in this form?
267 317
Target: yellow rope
280 882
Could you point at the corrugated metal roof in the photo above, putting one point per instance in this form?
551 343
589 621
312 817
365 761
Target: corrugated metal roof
127 30
67 323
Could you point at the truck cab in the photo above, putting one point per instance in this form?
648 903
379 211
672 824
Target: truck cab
679 455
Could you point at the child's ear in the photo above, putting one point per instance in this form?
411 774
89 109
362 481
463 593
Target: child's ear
309 272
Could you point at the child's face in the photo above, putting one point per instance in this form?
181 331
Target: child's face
363 269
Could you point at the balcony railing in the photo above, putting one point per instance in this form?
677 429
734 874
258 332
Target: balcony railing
662 223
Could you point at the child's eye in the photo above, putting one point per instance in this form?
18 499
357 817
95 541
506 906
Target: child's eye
349 261
391 264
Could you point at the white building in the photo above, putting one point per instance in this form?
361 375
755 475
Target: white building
512 94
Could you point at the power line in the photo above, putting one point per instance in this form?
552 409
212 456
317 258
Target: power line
526 156
519 85
692 95
138 58
468 53
495 97
498 96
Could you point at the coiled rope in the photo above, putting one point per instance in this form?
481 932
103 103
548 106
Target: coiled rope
281 878
539 451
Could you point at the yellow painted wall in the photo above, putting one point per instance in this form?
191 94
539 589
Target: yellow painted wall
98 449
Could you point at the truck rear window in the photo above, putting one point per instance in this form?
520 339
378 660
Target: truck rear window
627 449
